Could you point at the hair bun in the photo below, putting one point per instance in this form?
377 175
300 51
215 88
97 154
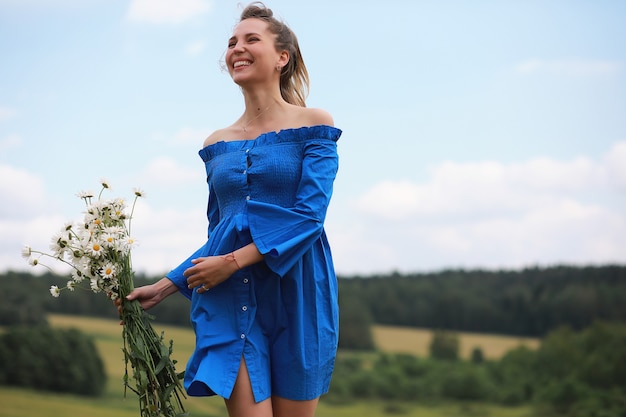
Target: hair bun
257 10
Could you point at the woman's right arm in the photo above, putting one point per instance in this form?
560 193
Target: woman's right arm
151 295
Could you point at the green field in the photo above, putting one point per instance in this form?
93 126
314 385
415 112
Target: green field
107 333
416 341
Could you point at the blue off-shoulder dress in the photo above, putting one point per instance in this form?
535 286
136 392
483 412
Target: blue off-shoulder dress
281 314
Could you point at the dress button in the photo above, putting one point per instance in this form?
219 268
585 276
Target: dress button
244 308
243 336
245 172
247 150
245 280
247 197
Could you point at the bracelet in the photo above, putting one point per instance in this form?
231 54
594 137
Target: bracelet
231 257
235 260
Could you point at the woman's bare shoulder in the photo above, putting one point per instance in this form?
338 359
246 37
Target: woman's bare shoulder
316 116
219 135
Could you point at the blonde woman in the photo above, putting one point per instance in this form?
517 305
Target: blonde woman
263 289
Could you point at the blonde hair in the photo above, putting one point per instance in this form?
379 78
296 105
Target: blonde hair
294 78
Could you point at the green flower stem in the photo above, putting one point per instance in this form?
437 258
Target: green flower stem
157 384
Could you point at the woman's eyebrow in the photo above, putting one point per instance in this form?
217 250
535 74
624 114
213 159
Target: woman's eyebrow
245 36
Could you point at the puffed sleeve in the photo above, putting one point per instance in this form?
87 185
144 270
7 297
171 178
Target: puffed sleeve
284 234
176 274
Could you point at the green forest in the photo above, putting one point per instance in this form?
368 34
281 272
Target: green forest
579 313
526 302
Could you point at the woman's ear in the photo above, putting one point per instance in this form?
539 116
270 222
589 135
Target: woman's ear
283 59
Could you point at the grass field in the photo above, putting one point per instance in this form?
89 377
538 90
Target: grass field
107 334
416 342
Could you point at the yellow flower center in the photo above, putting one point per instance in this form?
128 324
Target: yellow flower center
96 247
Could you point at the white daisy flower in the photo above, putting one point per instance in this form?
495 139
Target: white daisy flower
59 243
84 266
108 240
70 285
94 283
85 194
113 230
26 252
117 208
108 271
127 244
96 250
77 275
97 222
55 291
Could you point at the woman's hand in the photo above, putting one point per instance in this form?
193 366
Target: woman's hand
149 295
210 271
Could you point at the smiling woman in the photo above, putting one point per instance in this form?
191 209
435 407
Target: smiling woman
263 288
259 31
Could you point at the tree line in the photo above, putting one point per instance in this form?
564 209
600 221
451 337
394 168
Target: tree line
525 302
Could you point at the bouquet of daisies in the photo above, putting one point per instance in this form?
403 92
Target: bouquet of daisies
98 251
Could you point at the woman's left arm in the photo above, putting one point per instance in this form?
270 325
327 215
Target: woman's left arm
284 234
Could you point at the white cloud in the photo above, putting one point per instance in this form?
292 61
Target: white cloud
35 231
616 164
22 193
394 199
482 187
27 216
565 230
166 236
572 67
165 171
490 214
167 11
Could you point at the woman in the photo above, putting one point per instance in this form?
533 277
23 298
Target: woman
263 289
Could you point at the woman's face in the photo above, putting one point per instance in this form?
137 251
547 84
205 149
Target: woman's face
251 53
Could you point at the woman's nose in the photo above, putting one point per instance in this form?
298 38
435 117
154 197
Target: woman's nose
238 47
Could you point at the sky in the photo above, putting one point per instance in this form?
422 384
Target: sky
476 134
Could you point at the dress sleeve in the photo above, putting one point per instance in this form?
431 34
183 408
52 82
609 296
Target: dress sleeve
176 274
284 234
177 277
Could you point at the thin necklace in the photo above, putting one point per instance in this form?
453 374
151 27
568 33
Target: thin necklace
256 117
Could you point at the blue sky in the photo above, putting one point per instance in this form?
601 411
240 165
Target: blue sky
477 134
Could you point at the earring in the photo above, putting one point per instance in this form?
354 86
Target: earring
278 68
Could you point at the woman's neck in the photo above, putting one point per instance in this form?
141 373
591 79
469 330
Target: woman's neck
256 101
259 106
